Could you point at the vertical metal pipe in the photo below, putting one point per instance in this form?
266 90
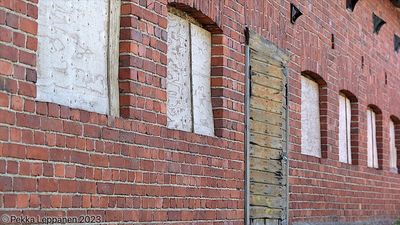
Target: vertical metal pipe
287 143
247 132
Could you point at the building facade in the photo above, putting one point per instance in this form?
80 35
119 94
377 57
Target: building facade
200 112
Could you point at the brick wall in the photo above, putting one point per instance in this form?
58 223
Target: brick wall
57 160
132 168
326 190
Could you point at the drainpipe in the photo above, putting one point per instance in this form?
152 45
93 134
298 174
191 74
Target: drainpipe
286 157
247 126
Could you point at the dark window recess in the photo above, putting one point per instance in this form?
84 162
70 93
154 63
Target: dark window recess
396 43
295 13
351 4
378 23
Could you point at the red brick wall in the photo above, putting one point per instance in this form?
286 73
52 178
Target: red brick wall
56 160
325 189
133 168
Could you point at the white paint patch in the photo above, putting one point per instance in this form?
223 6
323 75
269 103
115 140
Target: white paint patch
72 53
393 149
310 118
201 86
344 129
179 105
372 145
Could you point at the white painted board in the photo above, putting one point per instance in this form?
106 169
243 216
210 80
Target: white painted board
344 129
179 102
310 118
72 53
201 83
393 150
372 145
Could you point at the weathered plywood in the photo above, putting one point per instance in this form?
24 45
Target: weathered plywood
344 129
267 133
201 86
179 103
310 120
72 53
113 56
393 150
372 145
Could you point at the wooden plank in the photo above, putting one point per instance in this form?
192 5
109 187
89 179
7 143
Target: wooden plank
113 55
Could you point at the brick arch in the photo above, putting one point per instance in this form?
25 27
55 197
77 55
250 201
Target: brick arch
206 14
355 126
323 108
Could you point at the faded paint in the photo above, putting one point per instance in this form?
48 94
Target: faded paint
344 129
310 118
201 86
72 54
179 103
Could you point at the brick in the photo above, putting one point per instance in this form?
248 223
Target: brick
72 128
19 39
27 58
12 20
5 35
38 153
6 184
26 120
68 186
24 184
47 185
4 133
9 53
22 201
27 89
28 26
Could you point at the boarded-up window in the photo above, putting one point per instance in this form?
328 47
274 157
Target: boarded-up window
393 149
310 118
76 56
372 141
344 129
188 80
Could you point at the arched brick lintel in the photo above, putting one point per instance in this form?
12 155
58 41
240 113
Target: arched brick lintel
208 15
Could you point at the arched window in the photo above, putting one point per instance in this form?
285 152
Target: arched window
375 137
313 115
348 128
189 105
344 129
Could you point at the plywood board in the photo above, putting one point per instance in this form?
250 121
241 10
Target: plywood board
72 53
179 101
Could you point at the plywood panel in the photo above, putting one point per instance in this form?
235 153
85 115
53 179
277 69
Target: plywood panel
72 53
372 145
348 131
201 86
375 145
344 129
179 102
310 120
393 150
370 138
